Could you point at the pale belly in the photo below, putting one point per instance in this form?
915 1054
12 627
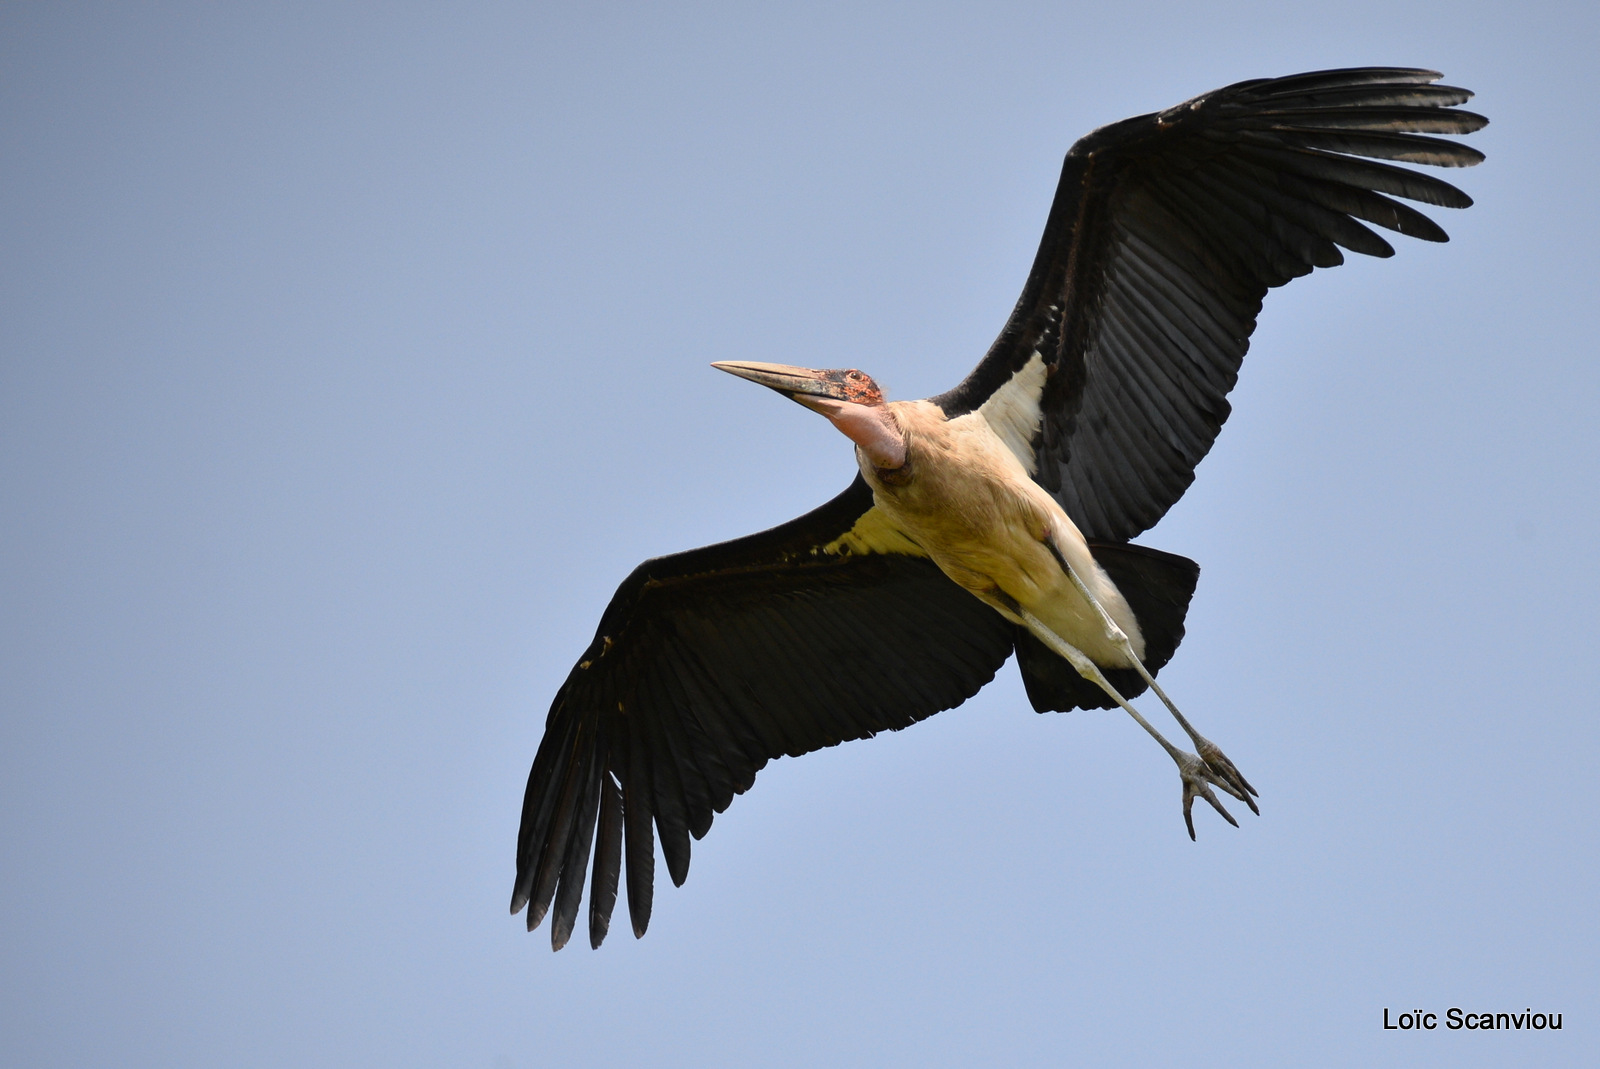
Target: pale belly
988 535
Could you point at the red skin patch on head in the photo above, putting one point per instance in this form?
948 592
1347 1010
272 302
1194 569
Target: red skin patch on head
859 388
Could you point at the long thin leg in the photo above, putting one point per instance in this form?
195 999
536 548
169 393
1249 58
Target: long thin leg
1194 771
1209 751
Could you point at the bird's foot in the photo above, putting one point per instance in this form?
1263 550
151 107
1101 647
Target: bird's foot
1226 775
1198 776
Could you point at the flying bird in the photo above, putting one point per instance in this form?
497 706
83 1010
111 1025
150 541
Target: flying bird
994 518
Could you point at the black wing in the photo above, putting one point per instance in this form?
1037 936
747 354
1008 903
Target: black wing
710 663
1165 234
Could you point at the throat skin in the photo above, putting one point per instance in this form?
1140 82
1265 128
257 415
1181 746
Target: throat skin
962 495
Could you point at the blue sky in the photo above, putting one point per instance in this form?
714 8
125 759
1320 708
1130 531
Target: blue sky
351 355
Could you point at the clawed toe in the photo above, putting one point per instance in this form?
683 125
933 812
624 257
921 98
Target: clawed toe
1224 774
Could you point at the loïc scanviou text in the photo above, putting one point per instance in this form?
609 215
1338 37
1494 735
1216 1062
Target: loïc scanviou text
1455 1018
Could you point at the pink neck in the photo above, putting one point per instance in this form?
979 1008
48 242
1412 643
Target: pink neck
871 427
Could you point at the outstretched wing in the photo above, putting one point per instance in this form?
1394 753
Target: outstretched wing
1113 371
707 665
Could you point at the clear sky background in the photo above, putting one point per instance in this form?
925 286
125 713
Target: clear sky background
351 355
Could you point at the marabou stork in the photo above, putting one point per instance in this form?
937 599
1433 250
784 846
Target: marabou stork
995 517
